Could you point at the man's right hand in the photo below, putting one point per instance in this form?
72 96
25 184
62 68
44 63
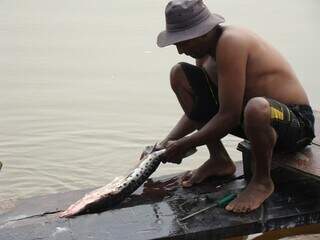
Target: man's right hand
174 153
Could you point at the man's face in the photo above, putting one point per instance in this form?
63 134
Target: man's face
195 48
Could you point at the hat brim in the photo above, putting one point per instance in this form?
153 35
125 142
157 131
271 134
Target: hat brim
166 38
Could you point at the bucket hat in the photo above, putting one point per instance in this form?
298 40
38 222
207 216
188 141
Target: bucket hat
187 19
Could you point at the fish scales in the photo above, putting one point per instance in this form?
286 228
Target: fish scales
115 192
120 188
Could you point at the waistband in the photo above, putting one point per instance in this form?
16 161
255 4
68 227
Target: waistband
301 107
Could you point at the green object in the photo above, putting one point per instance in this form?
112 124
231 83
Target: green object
226 199
222 202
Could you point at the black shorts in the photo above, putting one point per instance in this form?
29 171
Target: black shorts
294 124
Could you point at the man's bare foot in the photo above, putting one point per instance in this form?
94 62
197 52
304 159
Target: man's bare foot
252 197
208 169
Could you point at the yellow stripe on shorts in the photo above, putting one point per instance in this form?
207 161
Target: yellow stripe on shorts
276 114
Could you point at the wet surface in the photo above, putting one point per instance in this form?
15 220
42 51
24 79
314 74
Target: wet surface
155 209
156 190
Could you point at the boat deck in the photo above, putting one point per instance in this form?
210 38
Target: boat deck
154 210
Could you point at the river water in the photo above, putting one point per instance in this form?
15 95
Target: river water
84 88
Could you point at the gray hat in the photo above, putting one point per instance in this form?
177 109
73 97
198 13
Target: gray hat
187 19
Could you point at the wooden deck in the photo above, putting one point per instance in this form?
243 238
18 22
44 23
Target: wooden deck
154 210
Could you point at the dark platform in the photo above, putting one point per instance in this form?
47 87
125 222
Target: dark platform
152 212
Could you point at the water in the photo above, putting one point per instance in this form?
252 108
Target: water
84 88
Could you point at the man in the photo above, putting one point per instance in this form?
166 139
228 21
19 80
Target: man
240 85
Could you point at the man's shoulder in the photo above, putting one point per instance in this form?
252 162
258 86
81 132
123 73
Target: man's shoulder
234 36
233 40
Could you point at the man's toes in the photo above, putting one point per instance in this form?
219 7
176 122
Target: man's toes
248 209
184 177
230 206
244 208
237 208
254 206
190 179
187 183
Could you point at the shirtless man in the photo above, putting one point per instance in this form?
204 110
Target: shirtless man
258 98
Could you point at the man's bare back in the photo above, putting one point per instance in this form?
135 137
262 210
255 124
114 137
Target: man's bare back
267 72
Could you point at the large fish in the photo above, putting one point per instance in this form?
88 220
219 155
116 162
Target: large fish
121 187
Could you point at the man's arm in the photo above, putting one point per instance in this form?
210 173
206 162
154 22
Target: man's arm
232 54
181 129
232 57
184 125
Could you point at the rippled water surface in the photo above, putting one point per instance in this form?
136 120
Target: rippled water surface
84 88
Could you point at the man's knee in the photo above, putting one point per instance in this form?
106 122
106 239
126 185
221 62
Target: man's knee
177 77
257 112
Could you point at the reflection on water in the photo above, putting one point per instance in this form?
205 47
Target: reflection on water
84 87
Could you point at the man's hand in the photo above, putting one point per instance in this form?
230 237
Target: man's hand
175 151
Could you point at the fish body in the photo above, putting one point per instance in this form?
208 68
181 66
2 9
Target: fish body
121 187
